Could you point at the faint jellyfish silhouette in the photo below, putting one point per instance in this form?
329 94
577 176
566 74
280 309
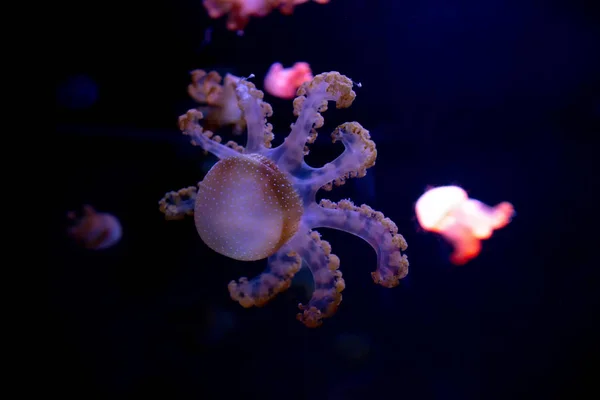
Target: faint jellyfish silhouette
217 99
220 323
352 347
77 92
94 230
463 222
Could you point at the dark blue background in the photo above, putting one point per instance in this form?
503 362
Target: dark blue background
499 97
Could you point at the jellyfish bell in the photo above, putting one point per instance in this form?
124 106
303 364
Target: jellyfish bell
246 209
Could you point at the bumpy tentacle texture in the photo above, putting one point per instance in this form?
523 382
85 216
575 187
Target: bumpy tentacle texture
218 101
259 201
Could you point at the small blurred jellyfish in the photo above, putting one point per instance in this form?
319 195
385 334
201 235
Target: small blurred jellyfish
464 222
94 230
239 11
219 103
77 92
284 82
207 37
220 323
352 347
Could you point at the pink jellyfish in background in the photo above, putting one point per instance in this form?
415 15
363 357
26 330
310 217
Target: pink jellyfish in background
284 82
464 222
94 230
239 11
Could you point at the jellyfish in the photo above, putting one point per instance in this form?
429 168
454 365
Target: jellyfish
218 101
94 230
283 82
240 11
464 222
259 202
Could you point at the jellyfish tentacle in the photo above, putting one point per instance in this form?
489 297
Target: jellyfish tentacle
190 126
177 205
327 278
282 266
206 87
303 131
255 112
372 226
311 102
359 155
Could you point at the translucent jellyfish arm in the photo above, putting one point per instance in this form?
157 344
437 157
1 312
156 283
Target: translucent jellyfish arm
177 205
308 248
327 278
359 155
282 266
311 102
372 226
256 111
190 126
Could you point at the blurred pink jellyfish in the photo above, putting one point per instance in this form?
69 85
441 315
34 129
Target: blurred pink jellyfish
464 222
284 82
240 11
94 230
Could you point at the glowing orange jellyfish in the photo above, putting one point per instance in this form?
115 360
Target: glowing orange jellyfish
283 82
240 11
464 222
94 230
